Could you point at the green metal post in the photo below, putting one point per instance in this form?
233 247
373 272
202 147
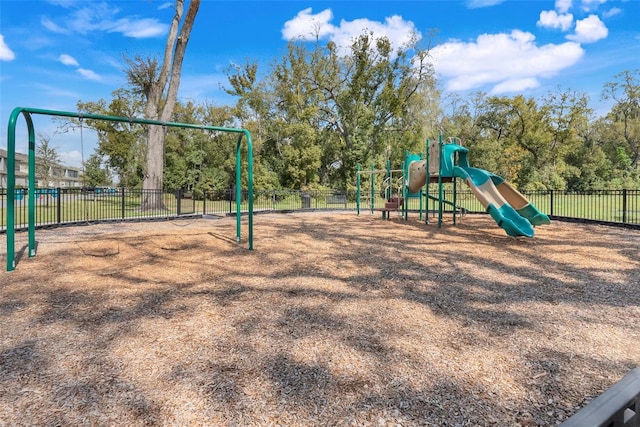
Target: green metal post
405 183
11 193
428 172
249 187
32 191
427 180
249 182
405 192
238 193
373 189
389 177
440 195
387 191
455 187
11 187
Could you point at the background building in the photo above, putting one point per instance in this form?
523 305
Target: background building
61 176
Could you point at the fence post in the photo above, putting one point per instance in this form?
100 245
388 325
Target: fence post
551 202
58 205
624 206
178 201
122 204
204 203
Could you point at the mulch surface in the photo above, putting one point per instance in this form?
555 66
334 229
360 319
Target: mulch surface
333 319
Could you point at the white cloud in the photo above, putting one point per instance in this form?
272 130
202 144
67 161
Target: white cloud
102 17
397 30
476 4
57 92
88 74
307 26
202 86
516 85
71 158
92 17
504 62
139 29
592 4
551 19
52 26
563 6
6 54
68 60
113 62
611 12
165 5
64 3
589 30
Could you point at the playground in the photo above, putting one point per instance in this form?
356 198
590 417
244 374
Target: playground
333 319
447 162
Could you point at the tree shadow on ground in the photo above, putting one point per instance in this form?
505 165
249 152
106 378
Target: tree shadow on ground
312 330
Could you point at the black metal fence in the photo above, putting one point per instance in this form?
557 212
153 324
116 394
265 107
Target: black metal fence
604 206
57 206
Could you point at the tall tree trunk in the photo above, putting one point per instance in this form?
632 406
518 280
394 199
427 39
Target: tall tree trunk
152 184
171 71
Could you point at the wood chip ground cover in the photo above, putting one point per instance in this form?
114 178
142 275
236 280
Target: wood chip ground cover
334 319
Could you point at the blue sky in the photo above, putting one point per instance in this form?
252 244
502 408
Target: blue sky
57 52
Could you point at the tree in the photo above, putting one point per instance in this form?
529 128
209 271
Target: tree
95 175
566 117
624 117
122 143
151 79
322 111
364 97
47 161
291 144
465 120
620 172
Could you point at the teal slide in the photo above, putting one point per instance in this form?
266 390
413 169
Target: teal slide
494 201
506 205
519 202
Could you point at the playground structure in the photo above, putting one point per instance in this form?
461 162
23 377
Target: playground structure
446 163
11 177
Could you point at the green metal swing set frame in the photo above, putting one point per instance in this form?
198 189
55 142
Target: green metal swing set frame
11 177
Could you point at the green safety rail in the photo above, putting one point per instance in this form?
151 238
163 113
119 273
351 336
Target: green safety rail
11 178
